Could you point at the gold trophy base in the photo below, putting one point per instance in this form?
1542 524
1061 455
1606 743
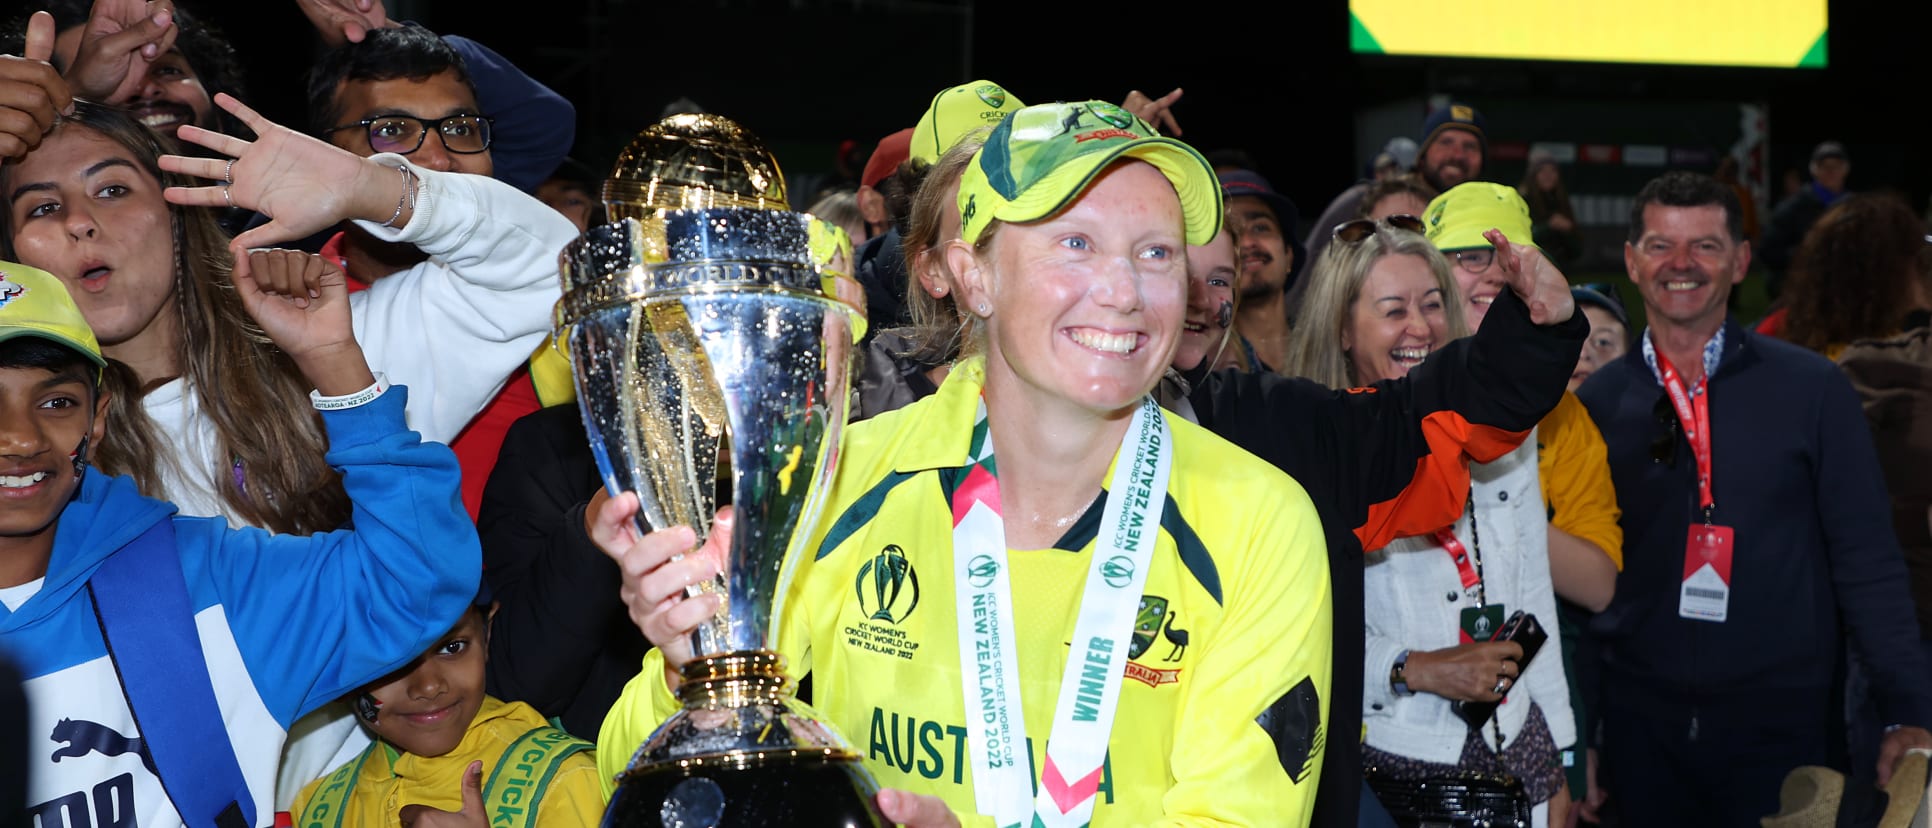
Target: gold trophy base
744 751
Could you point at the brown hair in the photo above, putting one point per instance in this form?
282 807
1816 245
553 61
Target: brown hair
1854 274
1393 186
939 329
270 441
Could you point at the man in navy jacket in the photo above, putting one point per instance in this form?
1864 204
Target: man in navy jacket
1757 534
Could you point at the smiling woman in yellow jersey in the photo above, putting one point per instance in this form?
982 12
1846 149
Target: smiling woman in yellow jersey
1113 592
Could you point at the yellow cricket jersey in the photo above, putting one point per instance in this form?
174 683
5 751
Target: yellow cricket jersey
389 780
1575 467
1235 614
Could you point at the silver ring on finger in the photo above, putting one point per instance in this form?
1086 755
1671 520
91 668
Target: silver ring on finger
226 197
1501 685
228 172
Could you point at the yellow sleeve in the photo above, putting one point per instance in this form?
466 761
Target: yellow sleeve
575 797
1575 467
1275 635
647 700
645 703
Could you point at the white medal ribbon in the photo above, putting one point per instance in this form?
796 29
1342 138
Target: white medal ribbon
1090 686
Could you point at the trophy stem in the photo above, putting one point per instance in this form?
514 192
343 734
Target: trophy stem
735 679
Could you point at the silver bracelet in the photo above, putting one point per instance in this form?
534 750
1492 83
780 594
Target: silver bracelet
408 195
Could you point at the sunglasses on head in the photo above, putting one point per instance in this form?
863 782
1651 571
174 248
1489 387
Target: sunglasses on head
1355 230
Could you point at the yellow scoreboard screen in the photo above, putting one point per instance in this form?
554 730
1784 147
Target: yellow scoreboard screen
1773 33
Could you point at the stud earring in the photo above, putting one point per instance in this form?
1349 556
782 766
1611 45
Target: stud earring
985 308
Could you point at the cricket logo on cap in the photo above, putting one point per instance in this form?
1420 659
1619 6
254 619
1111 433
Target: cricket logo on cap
10 291
1462 113
1112 114
991 95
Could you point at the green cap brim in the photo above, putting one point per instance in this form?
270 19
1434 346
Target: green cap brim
1190 174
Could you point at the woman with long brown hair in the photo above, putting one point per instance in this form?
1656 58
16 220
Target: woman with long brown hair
231 430
153 280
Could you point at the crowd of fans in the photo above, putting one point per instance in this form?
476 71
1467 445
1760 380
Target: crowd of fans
299 522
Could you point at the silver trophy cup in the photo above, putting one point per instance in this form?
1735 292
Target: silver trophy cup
703 342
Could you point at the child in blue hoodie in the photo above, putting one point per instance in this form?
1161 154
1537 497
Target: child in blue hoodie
269 626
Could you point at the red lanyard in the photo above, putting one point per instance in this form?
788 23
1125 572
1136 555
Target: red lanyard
1694 412
1470 572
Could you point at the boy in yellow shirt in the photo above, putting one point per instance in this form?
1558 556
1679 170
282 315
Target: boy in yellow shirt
442 744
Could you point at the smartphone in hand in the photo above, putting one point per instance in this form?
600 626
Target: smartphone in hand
1523 629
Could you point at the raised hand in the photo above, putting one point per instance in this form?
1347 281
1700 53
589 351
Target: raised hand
1542 287
1157 112
301 300
301 183
472 815
656 570
345 21
121 39
31 92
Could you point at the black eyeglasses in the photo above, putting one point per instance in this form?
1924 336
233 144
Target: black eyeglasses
1355 230
404 134
1664 448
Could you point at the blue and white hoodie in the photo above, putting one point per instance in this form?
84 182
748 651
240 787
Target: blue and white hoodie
287 623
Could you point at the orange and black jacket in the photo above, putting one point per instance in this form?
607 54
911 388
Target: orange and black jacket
1388 461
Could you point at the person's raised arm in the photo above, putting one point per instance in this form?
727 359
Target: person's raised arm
302 184
32 94
409 559
120 40
1395 455
344 21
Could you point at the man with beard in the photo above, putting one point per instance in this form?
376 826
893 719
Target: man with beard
1453 147
1264 223
163 64
1757 540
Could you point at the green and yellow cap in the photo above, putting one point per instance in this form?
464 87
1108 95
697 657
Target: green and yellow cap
956 111
1457 219
1041 158
34 303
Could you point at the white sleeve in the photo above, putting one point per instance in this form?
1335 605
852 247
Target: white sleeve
453 328
1549 686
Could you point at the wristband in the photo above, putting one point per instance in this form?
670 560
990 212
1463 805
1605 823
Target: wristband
1398 676
359 398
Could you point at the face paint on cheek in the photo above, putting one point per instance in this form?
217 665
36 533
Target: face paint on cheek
366 707
1225 316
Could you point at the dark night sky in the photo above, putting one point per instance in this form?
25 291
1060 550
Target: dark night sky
1275 79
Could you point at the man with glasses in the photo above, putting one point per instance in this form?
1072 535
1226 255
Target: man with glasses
406 91
401 90
1758 533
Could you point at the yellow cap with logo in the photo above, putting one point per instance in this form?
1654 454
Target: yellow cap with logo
1457 219
1041 158
957 111
34 303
